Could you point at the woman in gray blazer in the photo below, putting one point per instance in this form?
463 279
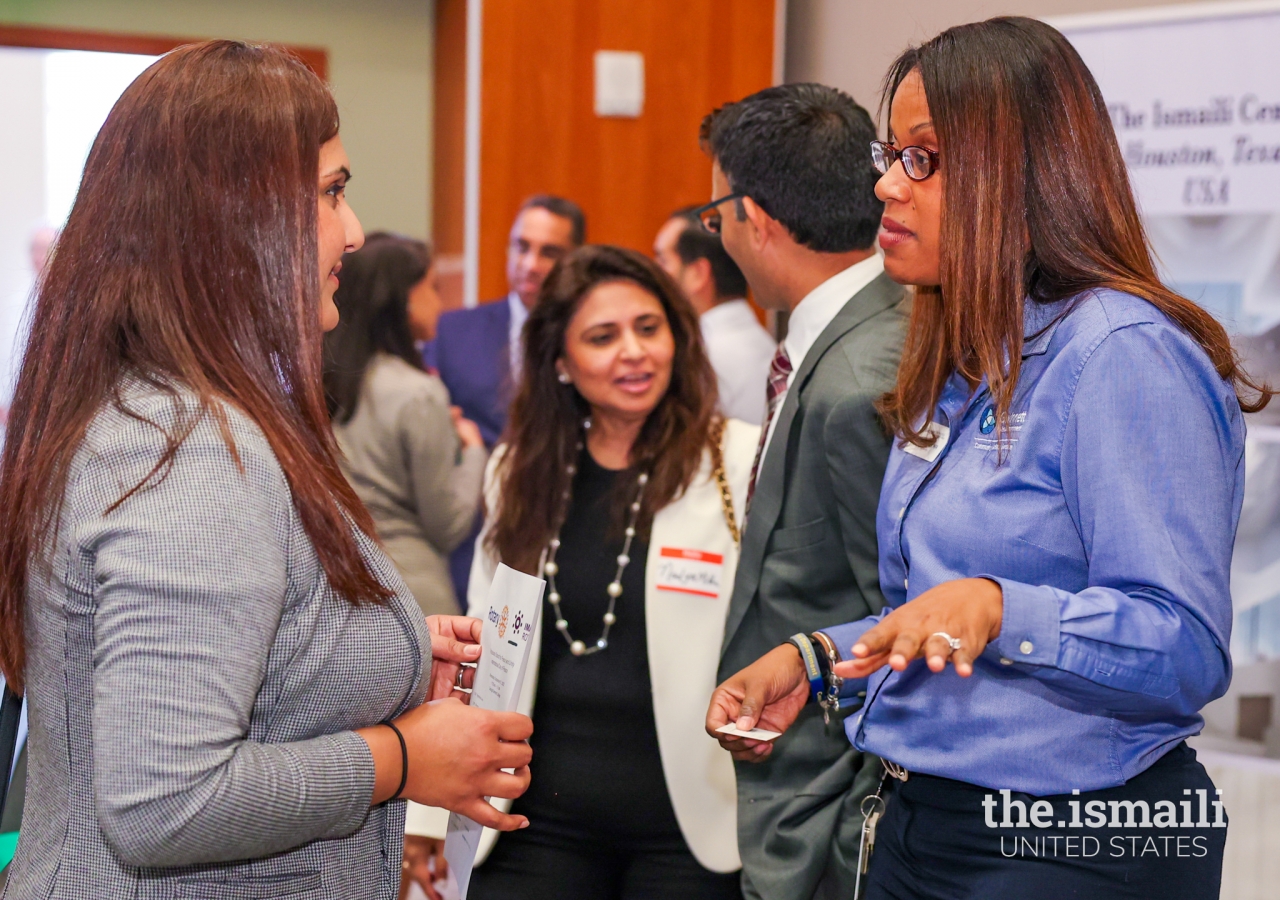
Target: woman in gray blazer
225 675
415 463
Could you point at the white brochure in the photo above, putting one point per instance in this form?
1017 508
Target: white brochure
514 602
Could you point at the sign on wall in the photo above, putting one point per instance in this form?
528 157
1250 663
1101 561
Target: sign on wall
1194 95
1197 138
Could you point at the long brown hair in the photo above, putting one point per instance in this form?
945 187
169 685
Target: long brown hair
545 423
189 259
1036 204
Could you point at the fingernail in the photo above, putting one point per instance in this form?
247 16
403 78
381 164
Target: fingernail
473 649
524 824
743 724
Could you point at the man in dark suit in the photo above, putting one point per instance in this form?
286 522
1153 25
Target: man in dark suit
797 211
477 351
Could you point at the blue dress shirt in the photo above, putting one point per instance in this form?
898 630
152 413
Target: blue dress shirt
1107 518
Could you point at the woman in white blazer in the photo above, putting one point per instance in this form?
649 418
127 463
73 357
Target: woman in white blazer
619 482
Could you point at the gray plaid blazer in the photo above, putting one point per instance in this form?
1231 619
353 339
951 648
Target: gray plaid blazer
194 680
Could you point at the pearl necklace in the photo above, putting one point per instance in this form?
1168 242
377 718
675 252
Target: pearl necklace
614 590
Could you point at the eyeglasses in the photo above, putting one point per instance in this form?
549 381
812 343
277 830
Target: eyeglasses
918 162
709 215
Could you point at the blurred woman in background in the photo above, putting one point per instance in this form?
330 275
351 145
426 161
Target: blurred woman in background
413 460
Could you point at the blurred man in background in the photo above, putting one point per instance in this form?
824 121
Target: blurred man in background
739 347
477 351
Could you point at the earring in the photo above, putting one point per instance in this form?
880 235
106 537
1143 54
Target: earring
564 378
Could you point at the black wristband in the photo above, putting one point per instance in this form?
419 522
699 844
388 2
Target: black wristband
404 759
828 656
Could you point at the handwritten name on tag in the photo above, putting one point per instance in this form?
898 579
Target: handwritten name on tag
689 572
929 454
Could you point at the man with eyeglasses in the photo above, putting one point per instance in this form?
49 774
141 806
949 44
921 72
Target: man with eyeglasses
794 202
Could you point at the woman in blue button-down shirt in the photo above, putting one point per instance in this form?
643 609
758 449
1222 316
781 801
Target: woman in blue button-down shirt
1058 512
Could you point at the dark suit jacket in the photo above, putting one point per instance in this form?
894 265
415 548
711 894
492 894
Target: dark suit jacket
808 561
472 355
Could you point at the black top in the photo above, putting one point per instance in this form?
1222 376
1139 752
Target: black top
595 744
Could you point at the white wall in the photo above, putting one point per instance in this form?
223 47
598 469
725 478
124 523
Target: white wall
23 112
850 43
380 68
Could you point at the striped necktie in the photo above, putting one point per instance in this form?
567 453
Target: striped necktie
775 390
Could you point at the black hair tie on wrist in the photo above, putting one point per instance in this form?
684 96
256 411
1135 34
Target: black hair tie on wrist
404 759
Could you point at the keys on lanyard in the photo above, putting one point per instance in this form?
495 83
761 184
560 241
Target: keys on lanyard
872 810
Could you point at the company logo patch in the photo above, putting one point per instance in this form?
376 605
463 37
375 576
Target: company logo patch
987 424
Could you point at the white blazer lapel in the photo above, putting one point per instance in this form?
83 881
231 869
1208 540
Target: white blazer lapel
688 583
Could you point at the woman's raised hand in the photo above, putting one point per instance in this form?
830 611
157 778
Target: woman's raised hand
969 609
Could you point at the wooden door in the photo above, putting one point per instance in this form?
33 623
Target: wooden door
538 131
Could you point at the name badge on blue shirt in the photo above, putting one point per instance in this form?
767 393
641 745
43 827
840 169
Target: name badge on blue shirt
940 433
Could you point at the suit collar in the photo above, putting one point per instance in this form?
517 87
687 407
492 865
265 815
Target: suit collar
881 294
818 309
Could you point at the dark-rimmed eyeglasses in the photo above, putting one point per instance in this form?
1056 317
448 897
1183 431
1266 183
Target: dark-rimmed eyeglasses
709 215
918 162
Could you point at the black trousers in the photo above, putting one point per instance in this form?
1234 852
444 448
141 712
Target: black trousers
550 861
950 840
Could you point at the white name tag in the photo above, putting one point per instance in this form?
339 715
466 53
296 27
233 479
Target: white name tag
689 572
929 454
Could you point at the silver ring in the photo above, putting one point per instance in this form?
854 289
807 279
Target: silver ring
457 681
953 643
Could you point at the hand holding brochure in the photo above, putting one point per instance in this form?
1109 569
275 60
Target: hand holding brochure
515 599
